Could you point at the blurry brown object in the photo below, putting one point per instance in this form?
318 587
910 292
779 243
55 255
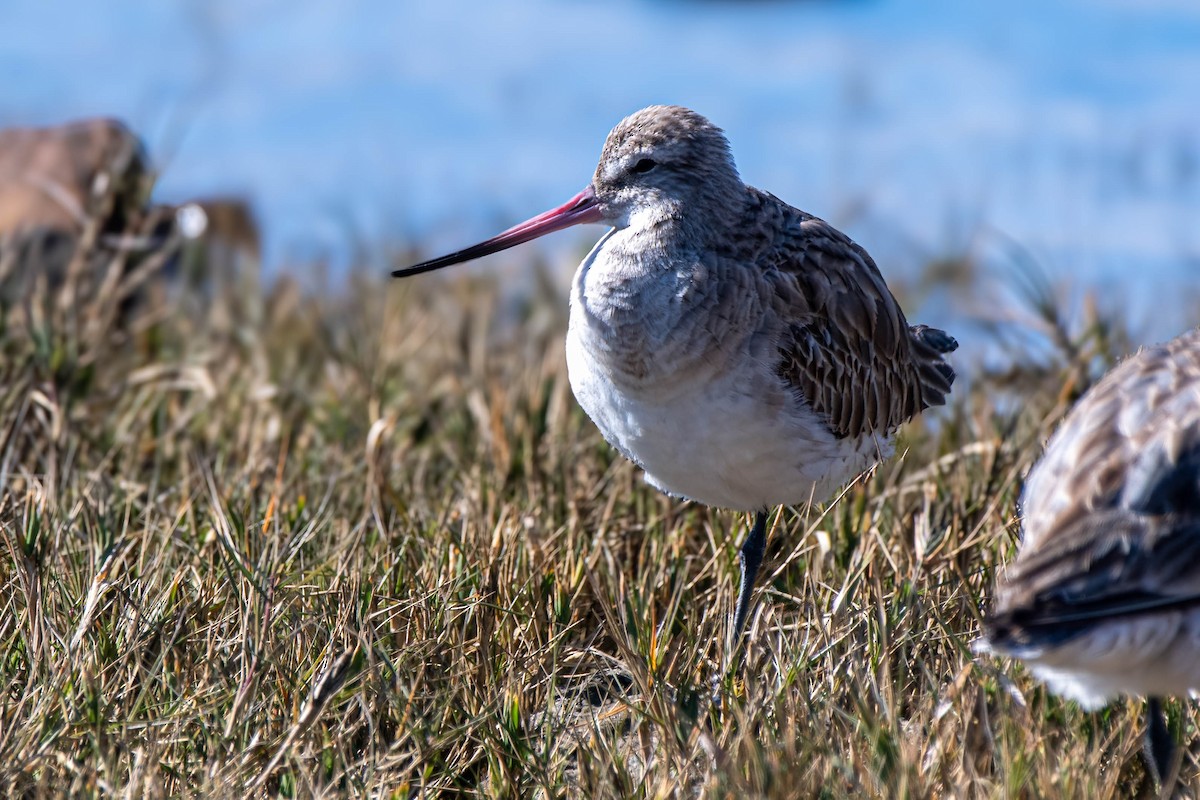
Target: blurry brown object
77 228
62 185
50 177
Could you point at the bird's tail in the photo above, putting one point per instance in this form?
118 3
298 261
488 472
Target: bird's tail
937 376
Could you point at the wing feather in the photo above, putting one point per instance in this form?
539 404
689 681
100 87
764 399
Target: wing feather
845 345
1112 510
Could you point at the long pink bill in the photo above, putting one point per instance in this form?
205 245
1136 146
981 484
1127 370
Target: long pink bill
579 209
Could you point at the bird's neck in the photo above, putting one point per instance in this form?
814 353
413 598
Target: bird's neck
659 250
665 230
638 296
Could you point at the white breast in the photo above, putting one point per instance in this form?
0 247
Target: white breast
724 431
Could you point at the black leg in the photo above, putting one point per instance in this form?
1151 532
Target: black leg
751 558
1160 747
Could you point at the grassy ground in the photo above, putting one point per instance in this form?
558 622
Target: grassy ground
367 544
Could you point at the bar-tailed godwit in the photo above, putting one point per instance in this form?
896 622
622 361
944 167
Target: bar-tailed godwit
1103 598
743 353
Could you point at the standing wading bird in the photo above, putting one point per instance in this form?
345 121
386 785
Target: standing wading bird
743 353
1103 598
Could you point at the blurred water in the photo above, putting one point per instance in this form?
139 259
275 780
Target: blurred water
924 127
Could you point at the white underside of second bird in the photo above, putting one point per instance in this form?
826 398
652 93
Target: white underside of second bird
1152 656
727 434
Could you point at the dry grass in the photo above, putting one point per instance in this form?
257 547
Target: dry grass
368 545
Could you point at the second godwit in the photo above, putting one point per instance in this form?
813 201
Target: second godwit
1103 598
743 353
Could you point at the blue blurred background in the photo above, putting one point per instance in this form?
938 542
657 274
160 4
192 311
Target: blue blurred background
928 129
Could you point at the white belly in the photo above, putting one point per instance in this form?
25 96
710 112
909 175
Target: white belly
1156 655
731 441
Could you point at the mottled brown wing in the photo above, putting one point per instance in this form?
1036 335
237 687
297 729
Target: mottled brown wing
1112 510
1113 563
846 346
1122 445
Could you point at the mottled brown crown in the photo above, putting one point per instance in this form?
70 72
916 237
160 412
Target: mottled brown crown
680 127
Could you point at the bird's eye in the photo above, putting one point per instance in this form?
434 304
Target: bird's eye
644 165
